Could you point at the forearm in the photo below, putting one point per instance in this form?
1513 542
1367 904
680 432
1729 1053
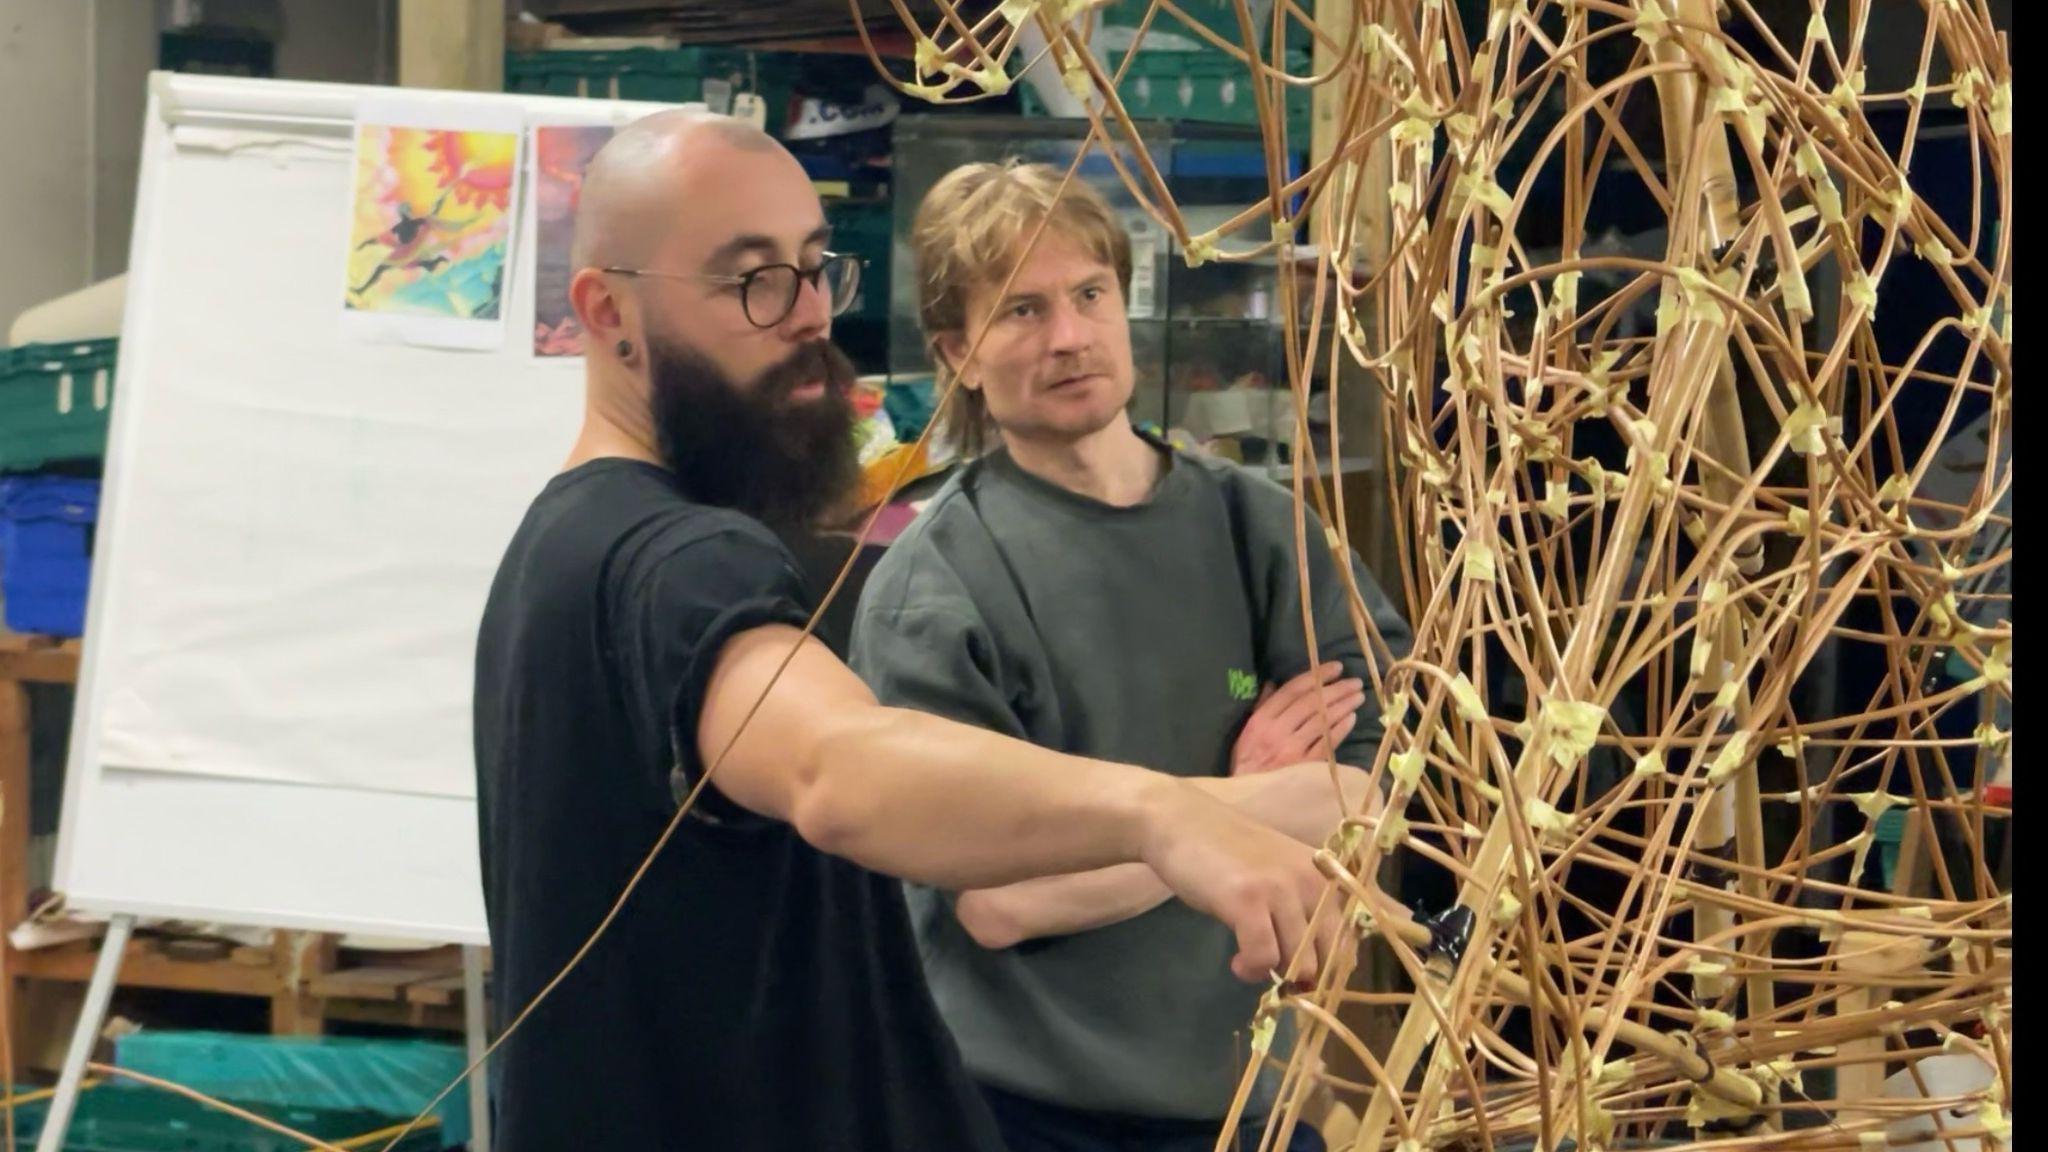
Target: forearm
956 807
789 732
1298 801
1060 905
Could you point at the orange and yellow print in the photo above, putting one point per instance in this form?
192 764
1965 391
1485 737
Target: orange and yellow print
431 220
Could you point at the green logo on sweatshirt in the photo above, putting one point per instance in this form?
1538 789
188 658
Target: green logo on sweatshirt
1243 685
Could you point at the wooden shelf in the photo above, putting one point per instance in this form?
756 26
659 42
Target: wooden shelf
439 992
145 967
368 983
393 1015
38 659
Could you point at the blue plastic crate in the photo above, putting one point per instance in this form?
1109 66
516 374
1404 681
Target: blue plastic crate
46 525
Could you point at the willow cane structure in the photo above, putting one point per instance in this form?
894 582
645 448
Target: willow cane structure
1661 533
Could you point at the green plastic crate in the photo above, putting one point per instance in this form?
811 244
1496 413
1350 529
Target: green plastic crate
1205 86
662 76
54 401
864 228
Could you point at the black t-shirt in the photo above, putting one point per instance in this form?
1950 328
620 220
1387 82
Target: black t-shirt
754 993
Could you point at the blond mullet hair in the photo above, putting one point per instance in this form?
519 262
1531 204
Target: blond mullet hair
969 233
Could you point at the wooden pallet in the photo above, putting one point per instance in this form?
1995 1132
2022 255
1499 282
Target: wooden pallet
302 974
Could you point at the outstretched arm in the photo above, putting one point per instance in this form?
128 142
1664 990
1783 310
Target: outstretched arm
791 733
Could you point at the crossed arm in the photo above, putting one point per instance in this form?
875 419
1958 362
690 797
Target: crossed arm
1274 780
1299 800
802 740
938 656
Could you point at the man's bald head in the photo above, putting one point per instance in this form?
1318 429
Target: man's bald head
633 186
684 208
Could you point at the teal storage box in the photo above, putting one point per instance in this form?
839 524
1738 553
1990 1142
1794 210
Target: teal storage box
124 1118
1206 86
385 1077
54 403
662 76
1218 16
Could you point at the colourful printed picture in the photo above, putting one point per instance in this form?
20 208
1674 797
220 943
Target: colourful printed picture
559 157
431 222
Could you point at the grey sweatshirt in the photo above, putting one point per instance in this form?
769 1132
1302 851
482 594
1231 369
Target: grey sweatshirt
1138 635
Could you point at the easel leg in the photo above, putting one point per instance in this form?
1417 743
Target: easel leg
473 1020
97 996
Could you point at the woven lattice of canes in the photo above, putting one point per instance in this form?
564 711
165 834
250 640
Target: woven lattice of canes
1693 501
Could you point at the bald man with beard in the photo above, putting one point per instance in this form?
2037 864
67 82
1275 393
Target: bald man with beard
761 988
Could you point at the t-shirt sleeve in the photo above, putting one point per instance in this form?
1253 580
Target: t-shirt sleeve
1334 631
1287 655
694 591
920 643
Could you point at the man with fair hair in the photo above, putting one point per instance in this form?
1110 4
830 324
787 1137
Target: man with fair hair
642 648
1090 589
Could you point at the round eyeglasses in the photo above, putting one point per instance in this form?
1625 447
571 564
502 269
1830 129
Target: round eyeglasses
768 293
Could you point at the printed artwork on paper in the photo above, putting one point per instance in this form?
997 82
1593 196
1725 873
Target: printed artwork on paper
560 155
431 223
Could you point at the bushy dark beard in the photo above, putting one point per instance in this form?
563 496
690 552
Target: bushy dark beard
747 445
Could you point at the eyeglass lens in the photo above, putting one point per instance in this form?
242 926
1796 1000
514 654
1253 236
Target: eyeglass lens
771 292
